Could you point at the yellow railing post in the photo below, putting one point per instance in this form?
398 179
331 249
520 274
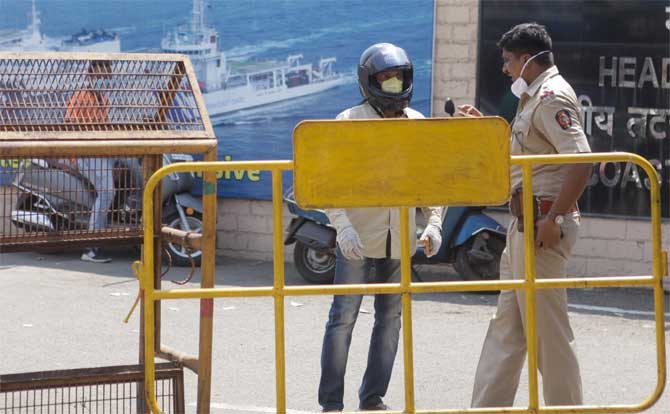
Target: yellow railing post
658 271
405 281
529 268
207 270
147 294
278 262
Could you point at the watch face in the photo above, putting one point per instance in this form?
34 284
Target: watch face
558 220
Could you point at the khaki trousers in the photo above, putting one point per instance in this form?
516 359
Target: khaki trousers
504 350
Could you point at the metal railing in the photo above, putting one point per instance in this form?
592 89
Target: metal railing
406 288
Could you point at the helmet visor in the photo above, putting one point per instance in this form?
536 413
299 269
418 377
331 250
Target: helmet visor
388 58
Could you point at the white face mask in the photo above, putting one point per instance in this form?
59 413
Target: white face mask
392 85
519 86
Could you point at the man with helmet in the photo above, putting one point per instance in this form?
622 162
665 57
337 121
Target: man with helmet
385 79
370 237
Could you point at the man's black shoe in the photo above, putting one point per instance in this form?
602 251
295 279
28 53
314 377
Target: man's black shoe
380 406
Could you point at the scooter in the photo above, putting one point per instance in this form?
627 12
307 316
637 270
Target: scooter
471 240
314 238
55 197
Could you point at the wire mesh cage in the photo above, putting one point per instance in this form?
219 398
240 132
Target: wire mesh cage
74 130
96 95
51 199
90 390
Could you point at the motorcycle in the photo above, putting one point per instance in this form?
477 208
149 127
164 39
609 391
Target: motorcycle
56 197
471 240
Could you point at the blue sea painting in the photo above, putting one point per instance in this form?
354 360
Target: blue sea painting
257 31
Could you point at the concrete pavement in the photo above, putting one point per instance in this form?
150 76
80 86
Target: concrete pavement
59 312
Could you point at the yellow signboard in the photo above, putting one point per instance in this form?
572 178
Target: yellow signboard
401 162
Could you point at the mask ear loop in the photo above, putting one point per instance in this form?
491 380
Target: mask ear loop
523 67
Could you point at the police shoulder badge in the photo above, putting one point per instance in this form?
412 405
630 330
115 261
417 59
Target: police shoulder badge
563 119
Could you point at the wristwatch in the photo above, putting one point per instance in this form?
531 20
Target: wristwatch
558 218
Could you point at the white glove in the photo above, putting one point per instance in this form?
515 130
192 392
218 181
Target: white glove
433 235
350 243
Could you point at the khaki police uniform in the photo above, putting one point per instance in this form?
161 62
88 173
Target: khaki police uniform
547 122
374 224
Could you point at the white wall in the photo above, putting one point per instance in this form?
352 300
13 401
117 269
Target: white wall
454 52
244 229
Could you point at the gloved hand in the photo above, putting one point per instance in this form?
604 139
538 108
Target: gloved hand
433 234
350 243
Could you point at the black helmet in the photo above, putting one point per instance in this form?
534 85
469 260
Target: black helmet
378 58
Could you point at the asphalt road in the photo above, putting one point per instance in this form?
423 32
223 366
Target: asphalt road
59 312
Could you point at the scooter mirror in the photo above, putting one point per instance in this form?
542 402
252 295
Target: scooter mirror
449 107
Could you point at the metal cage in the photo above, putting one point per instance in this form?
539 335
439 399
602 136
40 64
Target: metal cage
115 389
79 132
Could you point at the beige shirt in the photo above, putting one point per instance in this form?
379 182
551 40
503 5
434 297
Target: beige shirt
547 122
373 224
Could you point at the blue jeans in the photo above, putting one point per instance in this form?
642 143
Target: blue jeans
99 171
341 321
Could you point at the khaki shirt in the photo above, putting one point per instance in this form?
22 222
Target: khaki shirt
373 224
547 122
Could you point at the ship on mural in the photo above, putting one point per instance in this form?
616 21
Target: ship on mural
98 40
231 86
28 39
31 39
228 86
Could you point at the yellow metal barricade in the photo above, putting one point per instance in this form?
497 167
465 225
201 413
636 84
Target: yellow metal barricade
476 155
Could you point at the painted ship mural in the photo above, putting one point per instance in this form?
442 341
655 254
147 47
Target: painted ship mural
231 86
31 39
228 86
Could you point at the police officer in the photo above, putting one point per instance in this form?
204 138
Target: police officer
547 122
370 237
